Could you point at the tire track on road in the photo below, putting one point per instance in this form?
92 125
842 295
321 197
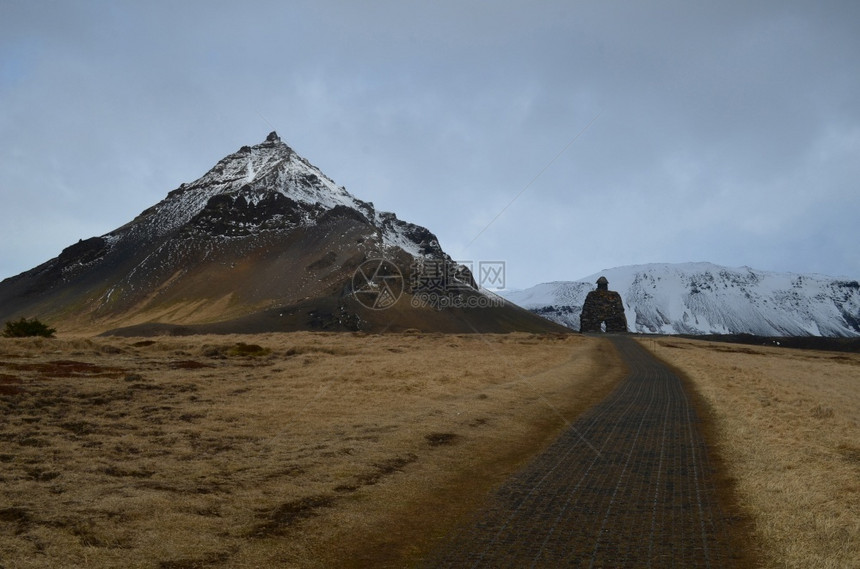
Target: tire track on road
627 485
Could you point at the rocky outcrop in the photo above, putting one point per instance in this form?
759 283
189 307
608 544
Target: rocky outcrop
603 307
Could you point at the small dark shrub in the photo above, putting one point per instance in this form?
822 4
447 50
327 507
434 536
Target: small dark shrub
441 439
250 350
23 328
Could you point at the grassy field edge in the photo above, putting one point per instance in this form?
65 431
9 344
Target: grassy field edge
746 548
784 426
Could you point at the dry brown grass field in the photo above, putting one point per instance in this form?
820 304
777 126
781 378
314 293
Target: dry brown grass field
278 450
787 426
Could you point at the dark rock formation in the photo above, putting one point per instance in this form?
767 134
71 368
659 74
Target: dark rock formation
603 306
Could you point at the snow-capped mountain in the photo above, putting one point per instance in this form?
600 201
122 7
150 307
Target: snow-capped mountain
251 181
703 298
263 233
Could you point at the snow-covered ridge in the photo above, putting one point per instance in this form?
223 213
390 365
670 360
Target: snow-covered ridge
252 174
255 171
704 298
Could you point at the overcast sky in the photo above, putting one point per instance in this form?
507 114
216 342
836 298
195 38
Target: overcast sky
605 133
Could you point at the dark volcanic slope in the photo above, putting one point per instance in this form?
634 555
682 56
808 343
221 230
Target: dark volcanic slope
345 314
263 232
628 485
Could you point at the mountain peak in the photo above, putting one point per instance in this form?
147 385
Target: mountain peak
263 241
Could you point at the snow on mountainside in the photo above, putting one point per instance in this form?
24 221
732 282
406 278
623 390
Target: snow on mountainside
263 241
250 177
703 298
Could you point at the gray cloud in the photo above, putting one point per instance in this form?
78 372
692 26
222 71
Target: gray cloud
727 132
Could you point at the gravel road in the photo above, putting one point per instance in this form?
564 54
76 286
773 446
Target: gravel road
628 484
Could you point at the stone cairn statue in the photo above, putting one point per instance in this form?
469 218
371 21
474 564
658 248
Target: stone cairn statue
603 307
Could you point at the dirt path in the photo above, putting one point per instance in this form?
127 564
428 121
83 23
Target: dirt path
628 485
